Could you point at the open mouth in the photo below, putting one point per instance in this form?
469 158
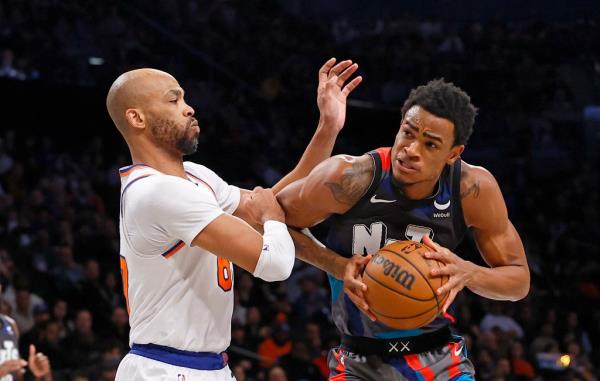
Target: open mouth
404 166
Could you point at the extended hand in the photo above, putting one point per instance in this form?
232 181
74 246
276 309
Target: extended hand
457 269
38 363
353 285
262 206
11 366
332 93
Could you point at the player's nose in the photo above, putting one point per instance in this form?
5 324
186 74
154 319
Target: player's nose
412 150
188 111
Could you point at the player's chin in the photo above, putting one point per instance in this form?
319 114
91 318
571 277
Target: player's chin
405 178
188 146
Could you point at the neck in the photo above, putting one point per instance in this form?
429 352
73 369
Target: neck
163 161
418 191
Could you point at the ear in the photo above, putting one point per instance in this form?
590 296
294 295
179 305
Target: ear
135 118
455 154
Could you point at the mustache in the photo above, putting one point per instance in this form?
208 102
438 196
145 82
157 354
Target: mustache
191 121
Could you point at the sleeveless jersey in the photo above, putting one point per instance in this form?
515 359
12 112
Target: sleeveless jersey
179 296
384 215
9 345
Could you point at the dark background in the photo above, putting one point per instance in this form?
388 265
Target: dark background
250 71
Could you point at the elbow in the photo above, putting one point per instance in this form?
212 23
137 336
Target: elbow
279 272
525 285
278 254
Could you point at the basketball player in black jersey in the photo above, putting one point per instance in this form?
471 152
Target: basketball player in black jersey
419 189
11 365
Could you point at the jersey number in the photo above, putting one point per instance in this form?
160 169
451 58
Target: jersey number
224 278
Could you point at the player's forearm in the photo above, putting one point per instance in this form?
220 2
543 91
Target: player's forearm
319 149
321 257
500 283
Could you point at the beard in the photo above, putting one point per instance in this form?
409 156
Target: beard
181 138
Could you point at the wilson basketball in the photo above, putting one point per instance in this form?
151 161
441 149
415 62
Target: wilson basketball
400 292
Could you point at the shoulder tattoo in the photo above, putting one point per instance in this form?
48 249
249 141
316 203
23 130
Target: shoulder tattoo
472 184
353 183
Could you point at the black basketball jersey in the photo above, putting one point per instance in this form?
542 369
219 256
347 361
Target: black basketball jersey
384 215
9 346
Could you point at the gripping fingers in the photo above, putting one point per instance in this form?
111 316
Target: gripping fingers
429 243
449 286
441 271
359 301
449 301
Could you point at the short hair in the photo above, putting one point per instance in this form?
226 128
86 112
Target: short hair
448 101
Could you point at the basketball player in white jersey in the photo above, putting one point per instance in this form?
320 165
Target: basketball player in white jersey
181 226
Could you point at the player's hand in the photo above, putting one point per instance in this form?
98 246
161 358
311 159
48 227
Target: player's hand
11 366
263 206
333 91
457 269
39 364
353 285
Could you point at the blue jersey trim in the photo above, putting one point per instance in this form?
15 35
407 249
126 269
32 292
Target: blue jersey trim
336 287
176 357
354 318
402 366
398 334
463 377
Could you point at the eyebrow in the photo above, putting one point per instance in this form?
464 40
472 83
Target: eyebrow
175 92
426 133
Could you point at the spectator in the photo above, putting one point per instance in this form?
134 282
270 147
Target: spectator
277 374
298 365
82 342
521 367
496 318
275 345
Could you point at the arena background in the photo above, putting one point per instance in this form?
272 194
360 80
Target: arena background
250 71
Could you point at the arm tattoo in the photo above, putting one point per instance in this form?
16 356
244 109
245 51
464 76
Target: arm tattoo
322 258
354 182
472 189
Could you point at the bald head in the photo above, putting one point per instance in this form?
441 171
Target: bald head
133 89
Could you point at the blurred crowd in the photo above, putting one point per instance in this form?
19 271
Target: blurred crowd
249 69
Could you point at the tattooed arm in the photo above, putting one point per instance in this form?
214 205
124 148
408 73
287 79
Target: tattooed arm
507 275
334 186
498 241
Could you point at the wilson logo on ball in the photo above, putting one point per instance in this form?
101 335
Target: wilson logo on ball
394 271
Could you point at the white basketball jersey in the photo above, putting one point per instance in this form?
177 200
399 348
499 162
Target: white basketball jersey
178 296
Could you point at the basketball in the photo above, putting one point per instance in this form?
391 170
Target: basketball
400 292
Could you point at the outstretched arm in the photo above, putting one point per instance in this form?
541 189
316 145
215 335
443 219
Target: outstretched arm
332 93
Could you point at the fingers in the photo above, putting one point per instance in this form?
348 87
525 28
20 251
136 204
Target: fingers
11 366
357 297
352 85
347 73
429 243
31 352
324 70
449 301
339 68
442 271
442 256
355 284
449 286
